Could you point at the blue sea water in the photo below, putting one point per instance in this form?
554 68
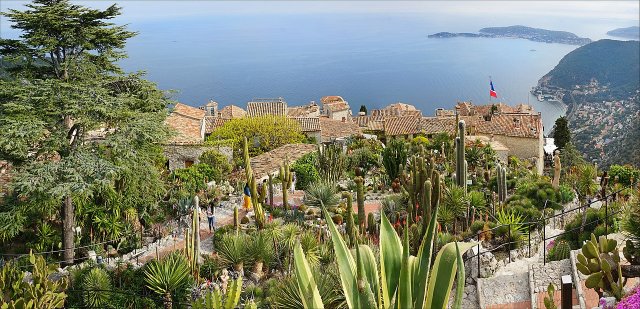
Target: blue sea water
368 59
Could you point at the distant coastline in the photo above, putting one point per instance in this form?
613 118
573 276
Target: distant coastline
627 33
521 32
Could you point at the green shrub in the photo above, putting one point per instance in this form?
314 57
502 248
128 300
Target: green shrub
306 174
219 164
624 173
476 226
211 267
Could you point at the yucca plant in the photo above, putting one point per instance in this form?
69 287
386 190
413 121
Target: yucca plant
232 250
401 281
311 247
98 285
168 277
515 227
321 194
260 252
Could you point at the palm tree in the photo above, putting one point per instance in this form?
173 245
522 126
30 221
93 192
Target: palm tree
168 277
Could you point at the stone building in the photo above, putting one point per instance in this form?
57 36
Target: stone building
187 145
262 107
336 108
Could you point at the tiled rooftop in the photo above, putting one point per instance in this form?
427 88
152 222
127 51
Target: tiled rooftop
311 110
331 129
331 99
232 112
186 110
402 125
261 108
269 162
211 123
308 124
187 122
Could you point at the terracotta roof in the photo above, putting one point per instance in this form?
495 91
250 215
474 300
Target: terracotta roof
516 125
371 123
211 123
212 103
311 110
401 125
260 108
308 124
434 125
187 121
331 129
338 106
269 162
331 99
186 110
232 112
394 112
495 145
401 107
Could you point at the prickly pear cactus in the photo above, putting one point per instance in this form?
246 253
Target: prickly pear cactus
600 261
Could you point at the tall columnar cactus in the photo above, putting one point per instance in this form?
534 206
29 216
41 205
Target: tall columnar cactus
271 191
351 228
461 163
192 239
501 180
286 179
332 162
557 166
253 187
600 261
236 219
420 171
371 224
430 200
360 199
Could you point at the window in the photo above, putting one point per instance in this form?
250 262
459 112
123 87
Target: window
188 163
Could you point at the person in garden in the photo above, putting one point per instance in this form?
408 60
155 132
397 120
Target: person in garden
211 213
293 182
247 197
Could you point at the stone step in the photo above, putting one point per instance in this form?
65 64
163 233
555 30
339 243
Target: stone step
501 290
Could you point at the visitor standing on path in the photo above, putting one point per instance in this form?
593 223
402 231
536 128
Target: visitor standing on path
293 182
247 198
211 217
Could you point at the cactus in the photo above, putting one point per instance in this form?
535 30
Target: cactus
371 224
420 172
256 200
548 299
192 240
461 163
214 299
360 199
286 179
351 228
270 192
557 166
600 261
236 219
501 180
40 293
332 162
560 251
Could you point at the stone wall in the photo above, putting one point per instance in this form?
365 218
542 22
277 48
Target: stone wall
338 115
178 154
525 148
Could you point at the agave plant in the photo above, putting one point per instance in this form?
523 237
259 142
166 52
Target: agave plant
401 281
98 283
167 277
232 250
311 247
321 193
286 295
260 252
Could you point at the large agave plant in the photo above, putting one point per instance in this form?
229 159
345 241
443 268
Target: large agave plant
168 277
98 284
321 193
232 250
401 281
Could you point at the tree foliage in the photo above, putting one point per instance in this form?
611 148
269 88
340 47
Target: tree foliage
561 134
73 126
218 162
264 133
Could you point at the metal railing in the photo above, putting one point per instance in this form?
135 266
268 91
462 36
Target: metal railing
532 224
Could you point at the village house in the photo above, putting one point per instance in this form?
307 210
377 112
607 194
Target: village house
336 108
187 145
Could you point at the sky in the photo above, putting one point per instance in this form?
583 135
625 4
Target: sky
549 14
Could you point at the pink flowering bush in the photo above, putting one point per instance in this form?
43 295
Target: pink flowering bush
631 301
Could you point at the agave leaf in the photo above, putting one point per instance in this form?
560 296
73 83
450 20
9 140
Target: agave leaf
306 283
346 264
423 263
390 260
404 299
370 269
366 297
461 278
443 273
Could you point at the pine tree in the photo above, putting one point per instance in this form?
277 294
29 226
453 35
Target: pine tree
76 129
561 134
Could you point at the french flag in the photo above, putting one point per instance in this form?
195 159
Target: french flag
492 92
